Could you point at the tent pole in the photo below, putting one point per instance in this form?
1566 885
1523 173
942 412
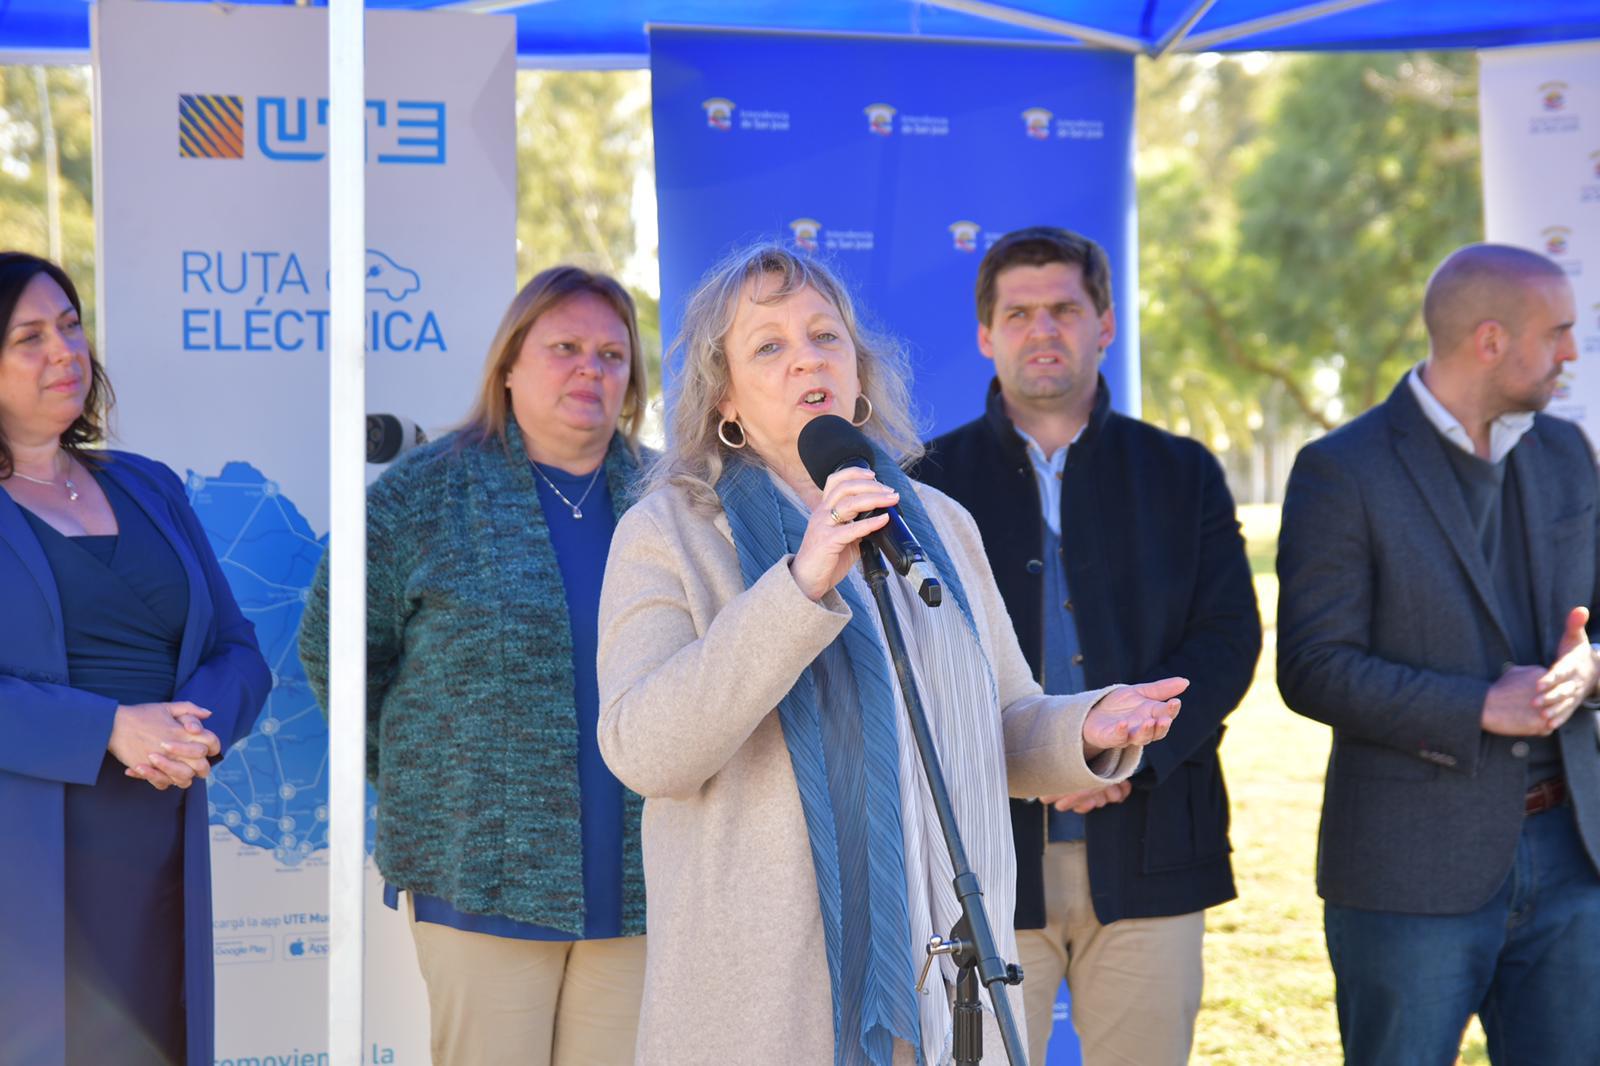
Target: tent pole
1206 41
1181 28
485 7
1010 16
347 563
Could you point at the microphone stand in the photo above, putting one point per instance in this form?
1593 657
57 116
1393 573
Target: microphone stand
971 943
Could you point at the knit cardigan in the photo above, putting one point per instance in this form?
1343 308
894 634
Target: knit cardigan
471 731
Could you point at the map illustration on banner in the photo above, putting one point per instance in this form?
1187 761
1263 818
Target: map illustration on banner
271 791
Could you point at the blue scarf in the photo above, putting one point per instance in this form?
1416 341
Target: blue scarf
847 768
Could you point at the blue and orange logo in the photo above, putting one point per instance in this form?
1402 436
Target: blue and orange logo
719 113
880 119
1553 95
1556 240
965 235
806 231
1036 123
210 126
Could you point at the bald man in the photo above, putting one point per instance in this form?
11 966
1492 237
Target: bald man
1438 565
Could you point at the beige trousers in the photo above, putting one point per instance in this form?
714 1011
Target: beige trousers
498 1001
1135 984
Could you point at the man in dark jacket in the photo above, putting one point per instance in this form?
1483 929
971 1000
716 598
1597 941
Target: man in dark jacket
1439 559
1116 548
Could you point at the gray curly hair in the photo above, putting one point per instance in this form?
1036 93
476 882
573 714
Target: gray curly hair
698 362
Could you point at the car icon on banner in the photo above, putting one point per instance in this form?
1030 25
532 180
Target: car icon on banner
391 279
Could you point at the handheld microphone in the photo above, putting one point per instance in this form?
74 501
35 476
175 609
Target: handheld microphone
390 436
828 443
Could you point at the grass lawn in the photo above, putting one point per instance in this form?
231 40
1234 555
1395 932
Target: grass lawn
1269 991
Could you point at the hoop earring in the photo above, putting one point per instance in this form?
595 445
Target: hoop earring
722 433
864 419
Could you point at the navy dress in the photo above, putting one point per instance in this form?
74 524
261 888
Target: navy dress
124 599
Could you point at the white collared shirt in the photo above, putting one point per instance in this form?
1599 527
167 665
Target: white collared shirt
1047 471
1504 432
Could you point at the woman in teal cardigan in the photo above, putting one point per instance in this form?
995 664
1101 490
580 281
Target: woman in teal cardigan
517 848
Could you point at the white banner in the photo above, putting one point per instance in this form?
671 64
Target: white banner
212 197
1540 112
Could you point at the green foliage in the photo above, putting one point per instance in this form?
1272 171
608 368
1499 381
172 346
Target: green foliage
1291 209
24 215
583 145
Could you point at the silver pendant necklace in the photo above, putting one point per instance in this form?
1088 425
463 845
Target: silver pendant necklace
577 508
66 482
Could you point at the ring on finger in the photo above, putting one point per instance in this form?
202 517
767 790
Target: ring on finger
833 516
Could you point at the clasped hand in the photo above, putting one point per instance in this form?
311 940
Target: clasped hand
1535 701
163 743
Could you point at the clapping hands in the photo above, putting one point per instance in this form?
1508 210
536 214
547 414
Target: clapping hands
163 743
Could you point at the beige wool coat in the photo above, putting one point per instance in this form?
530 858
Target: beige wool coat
691 667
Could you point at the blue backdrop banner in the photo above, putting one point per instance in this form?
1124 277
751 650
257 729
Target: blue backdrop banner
899 162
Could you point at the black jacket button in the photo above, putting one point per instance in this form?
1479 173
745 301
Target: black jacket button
1035 566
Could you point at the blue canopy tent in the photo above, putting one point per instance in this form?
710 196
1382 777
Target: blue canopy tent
612 33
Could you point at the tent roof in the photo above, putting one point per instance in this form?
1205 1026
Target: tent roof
613 32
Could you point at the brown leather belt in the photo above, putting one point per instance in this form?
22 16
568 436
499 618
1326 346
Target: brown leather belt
1545 796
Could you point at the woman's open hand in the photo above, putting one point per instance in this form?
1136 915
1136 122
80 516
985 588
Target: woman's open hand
1131 716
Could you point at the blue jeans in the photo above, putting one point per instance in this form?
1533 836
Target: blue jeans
1527 962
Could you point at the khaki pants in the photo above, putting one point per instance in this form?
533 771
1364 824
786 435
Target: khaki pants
1135 983
496 1000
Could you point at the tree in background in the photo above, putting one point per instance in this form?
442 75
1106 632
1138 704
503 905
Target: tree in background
26 182
583 152
1291 210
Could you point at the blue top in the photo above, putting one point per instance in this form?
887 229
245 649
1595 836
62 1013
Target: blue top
124 601
1063 658
1062 665
581 547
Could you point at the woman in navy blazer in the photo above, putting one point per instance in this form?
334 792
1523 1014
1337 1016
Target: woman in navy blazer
125 669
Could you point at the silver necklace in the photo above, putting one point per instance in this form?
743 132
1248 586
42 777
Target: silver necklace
577 508
66 482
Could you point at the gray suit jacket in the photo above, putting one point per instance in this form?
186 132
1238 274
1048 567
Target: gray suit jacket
1389 631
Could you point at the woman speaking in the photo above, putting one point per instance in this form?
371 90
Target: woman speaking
793 857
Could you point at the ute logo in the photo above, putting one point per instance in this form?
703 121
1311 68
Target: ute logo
964 235
1553 95
719 113
880 119
1556 240
293 129
806 231
1036 123
210 126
